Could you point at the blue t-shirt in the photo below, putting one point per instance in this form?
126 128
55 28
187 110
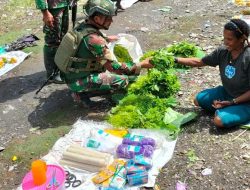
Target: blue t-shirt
235 74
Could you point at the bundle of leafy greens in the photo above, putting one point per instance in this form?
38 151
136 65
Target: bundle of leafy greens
144 102
149 112
122 54
142 111
157 83
184 49
161 59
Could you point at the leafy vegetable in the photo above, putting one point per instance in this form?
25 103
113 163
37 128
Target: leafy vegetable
185 49
122 54
159 84
138 111
246 126
150 53
178 119
144 103
161 59
127 117
183 119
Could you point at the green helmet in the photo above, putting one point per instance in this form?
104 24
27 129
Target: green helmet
104 7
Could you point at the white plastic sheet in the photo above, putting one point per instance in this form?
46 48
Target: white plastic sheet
18 55
82 129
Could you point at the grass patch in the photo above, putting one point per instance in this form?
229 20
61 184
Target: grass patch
13 36
36 49
34 146
23 3
16 8
20 18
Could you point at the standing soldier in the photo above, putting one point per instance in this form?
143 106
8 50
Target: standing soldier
87 72
56 21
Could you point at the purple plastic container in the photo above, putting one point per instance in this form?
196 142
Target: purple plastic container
139 141
129 151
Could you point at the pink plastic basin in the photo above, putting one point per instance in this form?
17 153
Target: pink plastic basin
27 183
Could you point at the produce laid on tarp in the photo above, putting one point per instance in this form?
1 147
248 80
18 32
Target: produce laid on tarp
130 152
5 60
10 60
95 156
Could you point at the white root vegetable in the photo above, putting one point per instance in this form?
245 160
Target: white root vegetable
94 161
81 166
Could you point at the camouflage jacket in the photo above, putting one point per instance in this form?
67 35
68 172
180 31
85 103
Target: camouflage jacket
51 4
95 46
98 46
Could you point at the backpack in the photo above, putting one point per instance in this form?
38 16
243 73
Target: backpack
68 47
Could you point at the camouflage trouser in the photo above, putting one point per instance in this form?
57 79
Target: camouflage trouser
100 82
53 36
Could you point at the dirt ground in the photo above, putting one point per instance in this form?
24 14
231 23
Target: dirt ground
225 152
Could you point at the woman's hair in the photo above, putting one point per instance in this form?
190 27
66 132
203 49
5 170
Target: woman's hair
238 27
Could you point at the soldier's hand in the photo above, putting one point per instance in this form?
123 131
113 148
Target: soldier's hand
48 18
112 38
146 63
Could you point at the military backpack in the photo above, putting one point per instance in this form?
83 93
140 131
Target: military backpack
65 55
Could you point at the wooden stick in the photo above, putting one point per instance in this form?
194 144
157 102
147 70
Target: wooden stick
239 135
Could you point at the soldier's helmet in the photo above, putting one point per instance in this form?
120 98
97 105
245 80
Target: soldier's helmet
104 7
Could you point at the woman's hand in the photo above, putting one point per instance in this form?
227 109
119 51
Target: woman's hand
146 64
220 104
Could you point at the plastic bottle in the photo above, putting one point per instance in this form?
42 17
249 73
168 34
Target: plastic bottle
38 170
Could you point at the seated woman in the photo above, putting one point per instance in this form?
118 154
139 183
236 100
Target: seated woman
231 101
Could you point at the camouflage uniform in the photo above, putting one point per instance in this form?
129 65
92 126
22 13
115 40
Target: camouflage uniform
109 74
53 36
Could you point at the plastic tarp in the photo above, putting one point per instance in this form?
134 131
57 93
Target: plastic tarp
82 130
18 55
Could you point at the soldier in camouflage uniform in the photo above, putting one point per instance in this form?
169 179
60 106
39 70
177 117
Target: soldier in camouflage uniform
91 75
56 21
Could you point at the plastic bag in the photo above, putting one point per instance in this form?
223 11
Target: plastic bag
102 141
131 43
127 3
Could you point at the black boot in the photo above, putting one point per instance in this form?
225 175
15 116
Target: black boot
81 98
49 63
50 66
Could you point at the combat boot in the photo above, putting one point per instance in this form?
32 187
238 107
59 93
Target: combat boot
50 66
